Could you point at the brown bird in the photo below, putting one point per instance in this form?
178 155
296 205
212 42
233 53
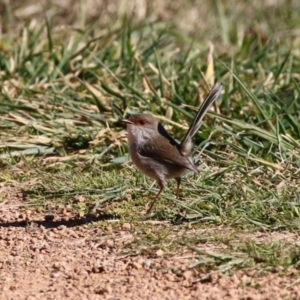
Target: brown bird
156 153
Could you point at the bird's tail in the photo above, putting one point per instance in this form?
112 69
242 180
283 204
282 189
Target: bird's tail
186 144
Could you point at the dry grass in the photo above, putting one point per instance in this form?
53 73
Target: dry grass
70 70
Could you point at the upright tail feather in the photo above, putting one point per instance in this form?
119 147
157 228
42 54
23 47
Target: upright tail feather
214 93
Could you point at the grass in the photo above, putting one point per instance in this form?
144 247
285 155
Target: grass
65 90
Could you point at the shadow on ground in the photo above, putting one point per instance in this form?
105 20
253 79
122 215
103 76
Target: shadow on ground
50 222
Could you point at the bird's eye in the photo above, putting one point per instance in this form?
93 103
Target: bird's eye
142 122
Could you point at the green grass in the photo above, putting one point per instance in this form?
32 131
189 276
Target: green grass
63 95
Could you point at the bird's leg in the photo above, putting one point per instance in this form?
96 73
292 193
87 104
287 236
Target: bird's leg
178 180
161 185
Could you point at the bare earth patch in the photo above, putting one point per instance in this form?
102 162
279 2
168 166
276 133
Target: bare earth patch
51 52
67 258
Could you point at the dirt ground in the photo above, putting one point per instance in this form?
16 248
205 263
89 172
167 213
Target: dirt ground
65 257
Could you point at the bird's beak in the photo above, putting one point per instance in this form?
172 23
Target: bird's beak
127 121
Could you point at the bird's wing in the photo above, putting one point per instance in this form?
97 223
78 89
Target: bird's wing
169 153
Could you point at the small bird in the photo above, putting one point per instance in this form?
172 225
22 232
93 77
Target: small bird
156 153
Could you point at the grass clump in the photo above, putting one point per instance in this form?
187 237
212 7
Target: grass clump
65 89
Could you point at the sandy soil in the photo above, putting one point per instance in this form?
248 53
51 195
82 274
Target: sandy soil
65 257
